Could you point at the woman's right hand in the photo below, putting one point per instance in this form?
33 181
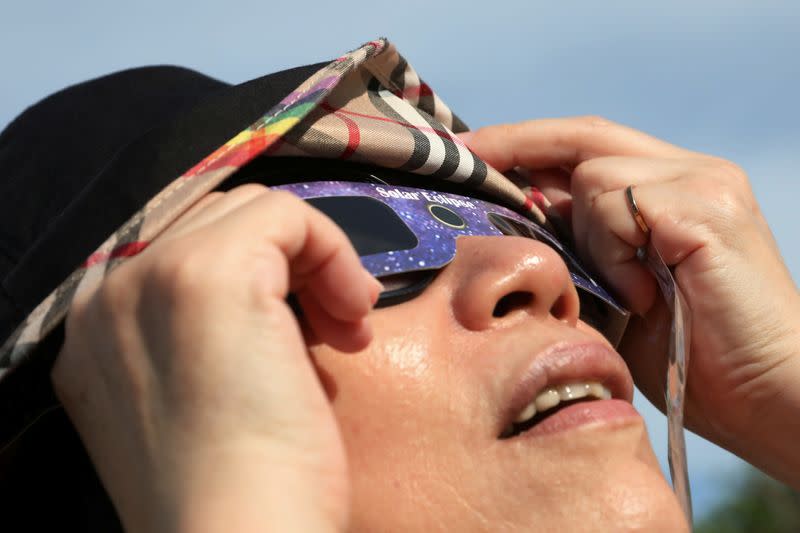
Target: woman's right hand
188 378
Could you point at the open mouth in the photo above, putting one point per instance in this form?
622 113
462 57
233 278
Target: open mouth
550 401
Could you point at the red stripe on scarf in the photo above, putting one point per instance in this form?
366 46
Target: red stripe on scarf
126 250
354 139
417 90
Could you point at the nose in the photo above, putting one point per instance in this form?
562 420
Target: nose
497 280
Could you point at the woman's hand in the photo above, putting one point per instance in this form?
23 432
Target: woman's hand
187 375
743 388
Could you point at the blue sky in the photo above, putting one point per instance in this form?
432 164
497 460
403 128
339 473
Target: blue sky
716 76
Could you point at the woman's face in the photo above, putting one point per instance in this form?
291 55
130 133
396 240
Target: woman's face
422 409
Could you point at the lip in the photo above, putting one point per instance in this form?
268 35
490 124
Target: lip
581 414
567 363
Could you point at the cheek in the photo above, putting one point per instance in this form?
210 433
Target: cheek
388 396
407 413
395 411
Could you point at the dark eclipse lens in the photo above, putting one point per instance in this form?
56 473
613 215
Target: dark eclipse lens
509 226
512 227
446 216
372 226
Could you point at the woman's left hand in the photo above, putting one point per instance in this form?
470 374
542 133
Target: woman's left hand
744 371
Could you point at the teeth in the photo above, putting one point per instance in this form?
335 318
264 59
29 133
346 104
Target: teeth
547 399
552 396
598 391
573 392
528 413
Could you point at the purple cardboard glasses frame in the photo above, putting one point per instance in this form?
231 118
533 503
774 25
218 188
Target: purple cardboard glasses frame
409 234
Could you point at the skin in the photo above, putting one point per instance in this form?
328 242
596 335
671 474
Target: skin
205 405
421 408
707 225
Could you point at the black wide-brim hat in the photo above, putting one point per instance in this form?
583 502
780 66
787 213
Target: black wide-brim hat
92 174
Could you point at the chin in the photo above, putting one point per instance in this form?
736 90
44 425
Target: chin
603 477
592 479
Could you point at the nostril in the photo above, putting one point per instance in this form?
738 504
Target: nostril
560 308
511 301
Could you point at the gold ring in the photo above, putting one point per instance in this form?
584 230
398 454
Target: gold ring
637 215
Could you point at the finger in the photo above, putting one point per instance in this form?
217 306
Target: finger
616 261
211 208
598 176
554 184
319 255
345 336
605 230
679 217
550 143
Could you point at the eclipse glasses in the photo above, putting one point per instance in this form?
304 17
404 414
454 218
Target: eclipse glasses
409 234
